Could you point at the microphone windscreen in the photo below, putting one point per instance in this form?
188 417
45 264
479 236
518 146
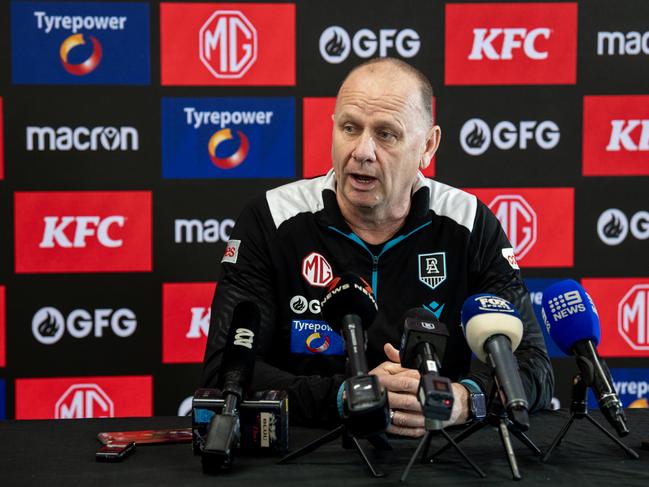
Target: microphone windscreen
348 294
486 315
238 361
569 315
421 326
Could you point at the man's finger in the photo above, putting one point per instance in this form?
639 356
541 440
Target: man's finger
409 420
404 382
404 402
405 431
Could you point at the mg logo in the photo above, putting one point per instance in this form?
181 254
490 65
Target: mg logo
316 270
518 220
84 401
228 44
633 317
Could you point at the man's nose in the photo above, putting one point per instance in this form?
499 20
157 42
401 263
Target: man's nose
365 150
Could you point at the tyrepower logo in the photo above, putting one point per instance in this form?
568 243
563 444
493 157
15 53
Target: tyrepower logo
317 126
82 231
336 43
616 135
228 138
227 44
81 138
623 307
84 397
539 223
80 43
186 309
511 44
476 136
49 324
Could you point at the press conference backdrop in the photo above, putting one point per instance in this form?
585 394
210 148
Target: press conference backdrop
134 132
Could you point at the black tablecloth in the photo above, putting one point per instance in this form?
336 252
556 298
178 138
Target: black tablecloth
46 453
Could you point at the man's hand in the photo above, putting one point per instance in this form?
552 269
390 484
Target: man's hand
402 384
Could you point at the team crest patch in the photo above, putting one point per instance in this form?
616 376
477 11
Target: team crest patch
432 269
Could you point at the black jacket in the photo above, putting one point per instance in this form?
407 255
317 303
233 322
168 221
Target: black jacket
450 247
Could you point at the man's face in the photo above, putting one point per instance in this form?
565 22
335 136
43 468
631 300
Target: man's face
380 139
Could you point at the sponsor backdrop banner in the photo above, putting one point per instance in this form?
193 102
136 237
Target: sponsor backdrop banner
132 134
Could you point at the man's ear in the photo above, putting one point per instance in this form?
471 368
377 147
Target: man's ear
433 138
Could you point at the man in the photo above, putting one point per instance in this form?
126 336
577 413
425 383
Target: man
416 241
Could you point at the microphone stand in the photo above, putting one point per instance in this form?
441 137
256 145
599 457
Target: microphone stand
380 442
579 410
435 426
497 418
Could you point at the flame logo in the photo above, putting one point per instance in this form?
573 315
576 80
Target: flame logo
48 327
314 336
234 159
86 66
476 138
335 46
613 227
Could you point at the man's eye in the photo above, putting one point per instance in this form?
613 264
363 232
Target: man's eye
348 129
385 135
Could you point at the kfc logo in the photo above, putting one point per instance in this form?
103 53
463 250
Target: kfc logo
633 317
518 219
539 223
83 231
228 44
501 43
616 135
316 270
239 44
84 397
186 315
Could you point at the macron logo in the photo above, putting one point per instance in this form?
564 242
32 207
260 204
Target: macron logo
510 39
81 227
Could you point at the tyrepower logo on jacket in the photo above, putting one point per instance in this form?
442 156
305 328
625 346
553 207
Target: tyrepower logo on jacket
511 44
539 223
317 126
623 308
80 42
228 137
616 135
185 321
227 44
84 397
82 231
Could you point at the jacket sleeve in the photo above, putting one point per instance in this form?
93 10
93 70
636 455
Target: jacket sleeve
492 273
248 276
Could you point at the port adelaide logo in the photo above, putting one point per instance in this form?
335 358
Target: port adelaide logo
432 269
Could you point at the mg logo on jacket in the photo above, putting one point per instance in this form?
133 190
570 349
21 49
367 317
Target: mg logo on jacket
316 270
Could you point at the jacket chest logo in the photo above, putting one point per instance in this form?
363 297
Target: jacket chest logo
432 269
316 270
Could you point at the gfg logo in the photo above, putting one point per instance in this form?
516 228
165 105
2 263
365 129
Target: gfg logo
336 44
82 138
633 317
228 44
476 136
82 227
300 304
498 43
519 221
84 401
49 324
613 226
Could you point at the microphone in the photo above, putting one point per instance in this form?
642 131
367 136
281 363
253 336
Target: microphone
423 345
237 367
572 321
349 307
493 330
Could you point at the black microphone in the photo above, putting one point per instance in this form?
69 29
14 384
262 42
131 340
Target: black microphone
493 330
423 345
234 379
349 307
